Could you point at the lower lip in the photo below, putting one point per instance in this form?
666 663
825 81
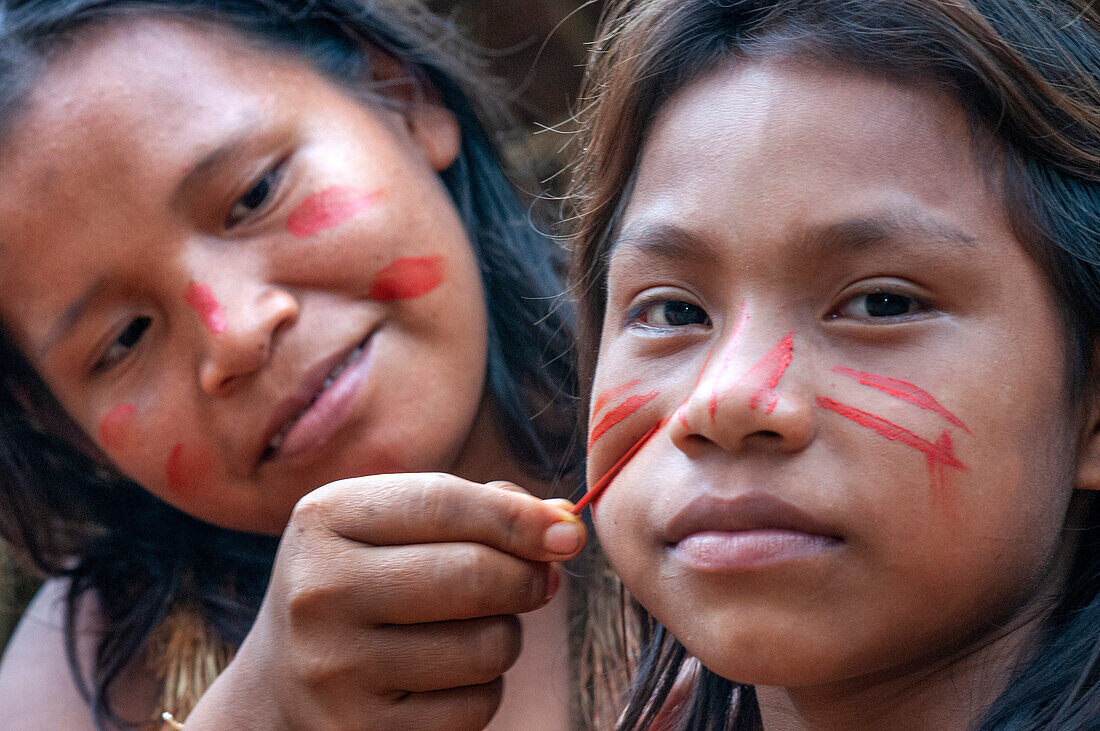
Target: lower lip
329 412
723 552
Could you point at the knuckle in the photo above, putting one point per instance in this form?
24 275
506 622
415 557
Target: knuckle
495 648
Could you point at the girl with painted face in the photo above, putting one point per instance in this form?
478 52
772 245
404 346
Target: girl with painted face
251 248
839 261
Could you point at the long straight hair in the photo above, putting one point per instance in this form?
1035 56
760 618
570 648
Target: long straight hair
71 516
1028 74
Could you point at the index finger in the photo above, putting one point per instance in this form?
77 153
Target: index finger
401 509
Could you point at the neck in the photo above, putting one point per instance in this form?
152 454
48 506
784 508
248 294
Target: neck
485 457
948 692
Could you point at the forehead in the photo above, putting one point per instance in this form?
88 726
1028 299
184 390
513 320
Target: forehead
143 87
810 142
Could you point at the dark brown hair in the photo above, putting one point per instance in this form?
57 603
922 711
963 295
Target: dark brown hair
1027 72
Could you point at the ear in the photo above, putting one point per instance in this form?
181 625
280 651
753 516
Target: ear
1088 451
433 127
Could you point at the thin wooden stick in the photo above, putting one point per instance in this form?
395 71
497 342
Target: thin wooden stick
601 484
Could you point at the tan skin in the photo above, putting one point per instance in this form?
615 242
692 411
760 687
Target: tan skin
852 213
394 598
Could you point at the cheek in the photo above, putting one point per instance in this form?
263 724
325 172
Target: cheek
407 278
189 470
116 429
329 208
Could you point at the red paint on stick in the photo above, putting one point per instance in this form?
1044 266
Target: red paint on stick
902 390
116 428
613 393
728 354
407 278
597 489
201 299
619 413
188 470
942 452
330 207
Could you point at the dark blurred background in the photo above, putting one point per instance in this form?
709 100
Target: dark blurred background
538 47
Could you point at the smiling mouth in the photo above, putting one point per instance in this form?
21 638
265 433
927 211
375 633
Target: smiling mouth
276 442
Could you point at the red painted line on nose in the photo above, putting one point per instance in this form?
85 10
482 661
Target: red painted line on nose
328 208
613 393
188 470
618 414
763 376
902 390
407 278
116 428
201 299
597 489
728 354
942 452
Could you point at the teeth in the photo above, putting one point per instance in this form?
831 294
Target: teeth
277 440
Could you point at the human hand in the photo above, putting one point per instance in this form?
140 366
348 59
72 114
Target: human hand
392 604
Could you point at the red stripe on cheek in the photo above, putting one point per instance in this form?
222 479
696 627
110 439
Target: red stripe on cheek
902 390
407 278
940 453
613 393
116 428
329 208
201 299
188 470
619 413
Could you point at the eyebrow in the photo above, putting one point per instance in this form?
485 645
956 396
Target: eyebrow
70 316
220 155
675 243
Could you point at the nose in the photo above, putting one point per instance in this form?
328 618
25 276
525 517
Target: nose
739 404
241 333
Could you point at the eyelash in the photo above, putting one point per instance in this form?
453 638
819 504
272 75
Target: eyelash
130 336
639 313
919 306
268 184
916 307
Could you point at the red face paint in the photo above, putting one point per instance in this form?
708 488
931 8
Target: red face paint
188 469
728 354
940 453
407 278
613 393
902 390
764 376
201 299
619 413
601 484
116 428
330 207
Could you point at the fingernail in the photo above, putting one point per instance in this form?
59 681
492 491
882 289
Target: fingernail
561 504
553 582
563 537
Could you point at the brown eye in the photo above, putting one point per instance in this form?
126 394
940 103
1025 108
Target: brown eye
124 343
882 306
256 198
673 314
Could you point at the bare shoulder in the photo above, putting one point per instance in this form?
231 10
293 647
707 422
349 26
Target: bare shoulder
37 689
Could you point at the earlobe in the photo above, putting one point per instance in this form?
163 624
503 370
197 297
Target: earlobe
435 129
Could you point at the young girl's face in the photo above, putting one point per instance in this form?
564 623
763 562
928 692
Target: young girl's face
240 280
870 449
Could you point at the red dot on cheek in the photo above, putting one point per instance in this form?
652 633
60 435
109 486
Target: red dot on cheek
407 278
116 427
188 469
